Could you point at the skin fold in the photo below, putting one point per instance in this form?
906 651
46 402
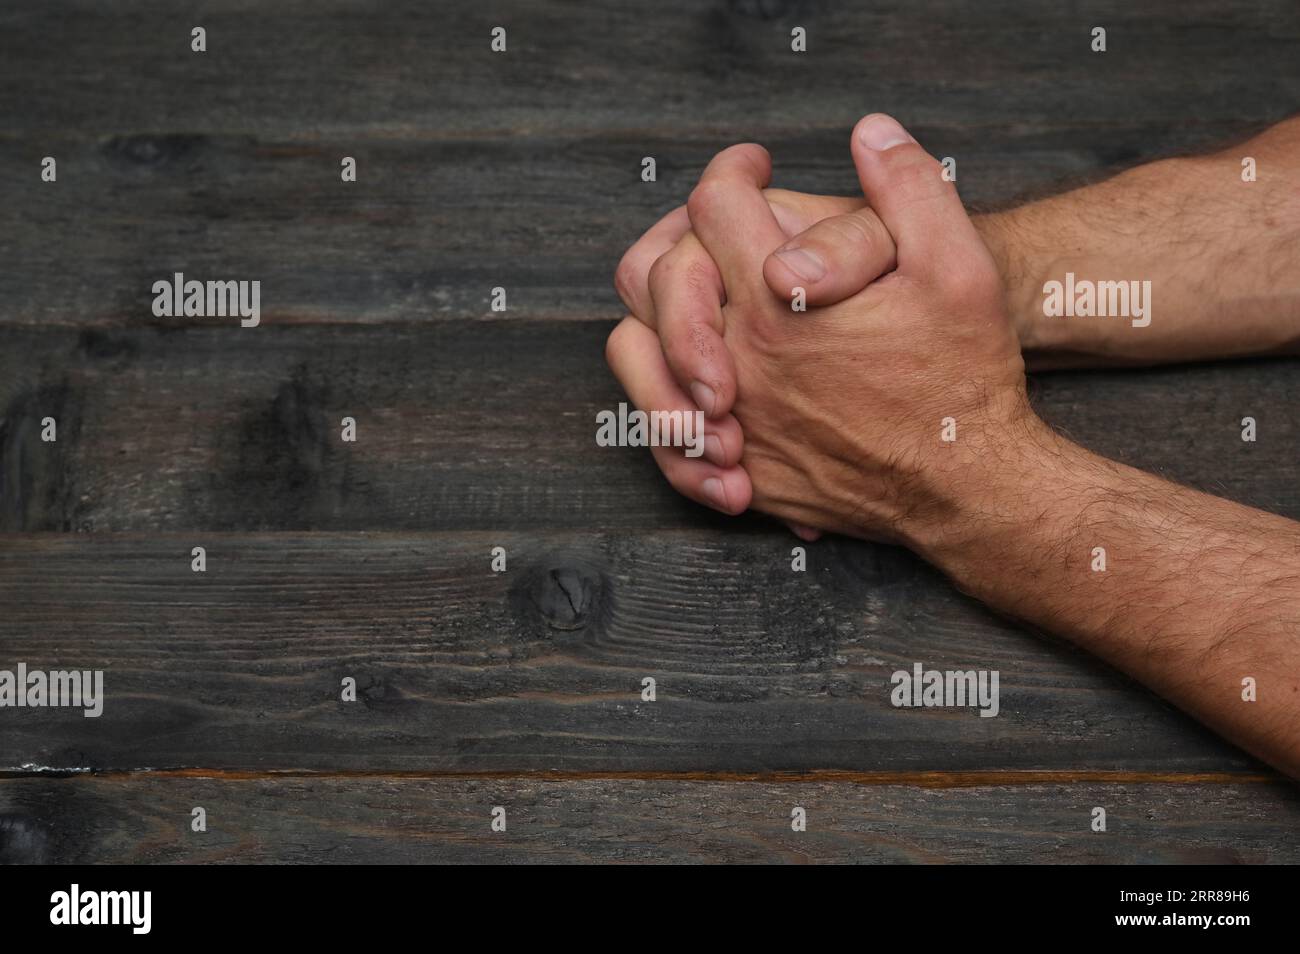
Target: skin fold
894 408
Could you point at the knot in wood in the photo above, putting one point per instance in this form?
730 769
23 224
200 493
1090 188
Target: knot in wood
151 150
566 596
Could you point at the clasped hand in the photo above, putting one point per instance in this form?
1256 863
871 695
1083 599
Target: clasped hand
881 411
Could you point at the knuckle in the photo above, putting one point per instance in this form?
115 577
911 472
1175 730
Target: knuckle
698 276
705 199
614 343
692 343
692 350
625 278
689 277
661 271
853 230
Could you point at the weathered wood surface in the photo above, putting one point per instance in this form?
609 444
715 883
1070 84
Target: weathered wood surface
522 170
417 68
467 425
385 819
429 228
757 668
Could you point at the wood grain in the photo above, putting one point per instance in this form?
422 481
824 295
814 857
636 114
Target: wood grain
472 425
522 170
409 67
430 227
757 668
405 821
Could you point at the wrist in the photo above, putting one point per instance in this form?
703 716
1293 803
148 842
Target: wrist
1092 234
1010 507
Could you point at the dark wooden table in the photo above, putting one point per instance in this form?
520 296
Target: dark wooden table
328 560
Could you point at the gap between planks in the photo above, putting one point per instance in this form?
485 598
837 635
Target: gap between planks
924 779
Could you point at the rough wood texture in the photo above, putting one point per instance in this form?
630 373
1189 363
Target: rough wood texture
378 819
757 668
523 169
429 228
466 425
415 68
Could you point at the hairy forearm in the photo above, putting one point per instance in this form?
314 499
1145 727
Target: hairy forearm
1199 597
1222 256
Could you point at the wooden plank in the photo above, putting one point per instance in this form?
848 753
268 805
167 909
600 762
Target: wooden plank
757 668
522 170
394 820
471 425
328 65
430 228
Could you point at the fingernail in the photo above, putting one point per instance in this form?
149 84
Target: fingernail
713 449
705 399
807 265
883 132
715 493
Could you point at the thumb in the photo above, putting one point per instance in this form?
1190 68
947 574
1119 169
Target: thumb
907 188
832 260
